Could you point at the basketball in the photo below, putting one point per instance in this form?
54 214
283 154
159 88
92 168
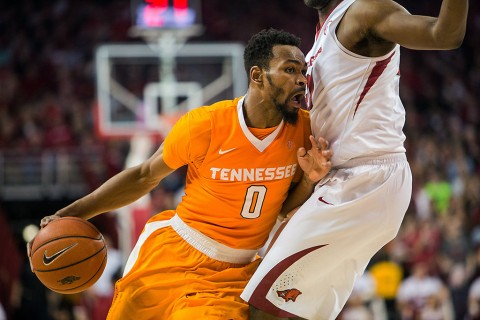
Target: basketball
68 255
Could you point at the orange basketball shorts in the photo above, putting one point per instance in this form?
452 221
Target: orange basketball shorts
171 280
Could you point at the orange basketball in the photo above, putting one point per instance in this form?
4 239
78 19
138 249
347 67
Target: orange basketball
68 255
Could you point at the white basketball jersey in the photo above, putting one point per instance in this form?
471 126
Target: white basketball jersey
353 100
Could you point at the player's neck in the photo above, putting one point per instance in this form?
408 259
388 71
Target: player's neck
259 114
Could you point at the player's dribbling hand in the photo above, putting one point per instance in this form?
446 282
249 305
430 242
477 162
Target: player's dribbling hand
315 162
45 220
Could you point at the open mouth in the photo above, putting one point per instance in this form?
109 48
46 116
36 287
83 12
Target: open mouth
298 100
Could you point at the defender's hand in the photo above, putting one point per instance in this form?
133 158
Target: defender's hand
315 162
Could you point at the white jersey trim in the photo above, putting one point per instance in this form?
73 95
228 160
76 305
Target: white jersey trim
261 145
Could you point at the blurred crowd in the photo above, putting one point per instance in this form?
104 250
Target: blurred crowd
430 271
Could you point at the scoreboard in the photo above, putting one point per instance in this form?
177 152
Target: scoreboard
166 14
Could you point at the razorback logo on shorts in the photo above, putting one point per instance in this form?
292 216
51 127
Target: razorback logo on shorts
289 294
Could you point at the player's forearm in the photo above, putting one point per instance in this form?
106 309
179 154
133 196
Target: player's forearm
451 24
119 191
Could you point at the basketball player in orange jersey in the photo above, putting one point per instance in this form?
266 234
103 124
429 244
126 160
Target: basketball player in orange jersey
243 156
353 98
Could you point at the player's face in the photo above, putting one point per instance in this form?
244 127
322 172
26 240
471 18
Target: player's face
317 4
286 79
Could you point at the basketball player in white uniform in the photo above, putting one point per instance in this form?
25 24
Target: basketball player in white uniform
353 96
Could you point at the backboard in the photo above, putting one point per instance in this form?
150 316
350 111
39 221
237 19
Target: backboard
146 87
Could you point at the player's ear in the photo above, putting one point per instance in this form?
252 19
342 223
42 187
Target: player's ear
256 74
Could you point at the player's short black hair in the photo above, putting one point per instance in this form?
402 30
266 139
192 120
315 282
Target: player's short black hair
258 51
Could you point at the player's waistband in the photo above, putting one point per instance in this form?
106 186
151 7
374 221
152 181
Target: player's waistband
210 247
376 160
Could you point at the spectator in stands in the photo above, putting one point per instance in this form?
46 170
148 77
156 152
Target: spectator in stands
474 300
388 275
420 294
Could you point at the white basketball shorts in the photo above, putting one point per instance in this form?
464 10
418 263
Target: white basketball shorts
354 211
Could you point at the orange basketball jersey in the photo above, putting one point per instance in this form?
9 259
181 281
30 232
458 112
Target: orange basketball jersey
236 182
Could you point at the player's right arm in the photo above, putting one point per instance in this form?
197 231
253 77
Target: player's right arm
389 21
122 189
133 183
372 28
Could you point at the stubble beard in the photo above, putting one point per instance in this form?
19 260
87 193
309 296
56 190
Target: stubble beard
289 116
